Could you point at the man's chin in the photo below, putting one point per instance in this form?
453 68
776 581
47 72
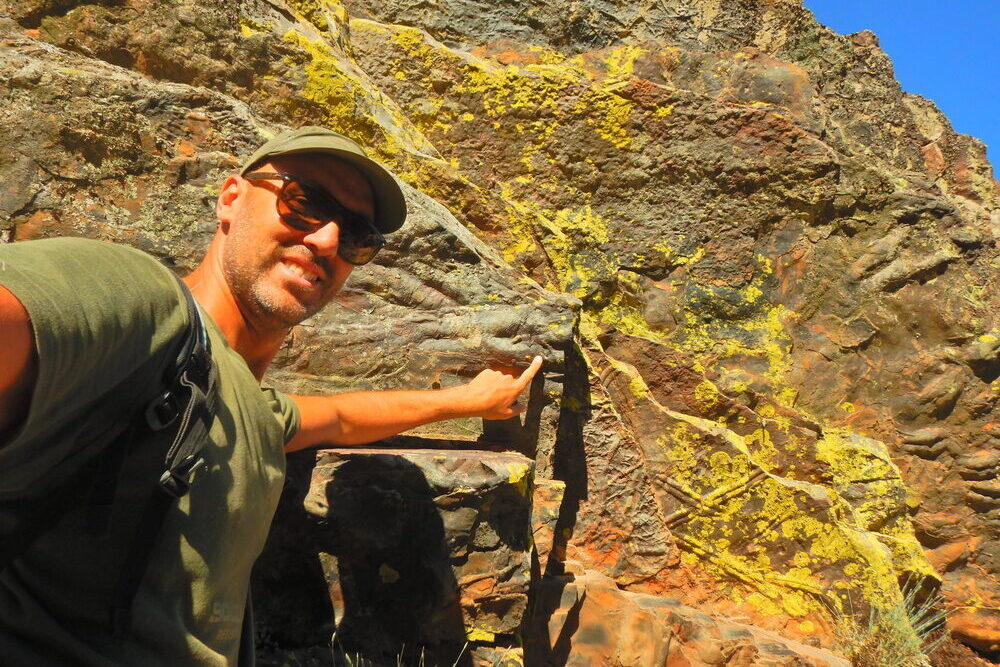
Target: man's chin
284 310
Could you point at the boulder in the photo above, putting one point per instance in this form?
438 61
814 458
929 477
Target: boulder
421 551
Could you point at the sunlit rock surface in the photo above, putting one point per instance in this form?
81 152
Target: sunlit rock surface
763 277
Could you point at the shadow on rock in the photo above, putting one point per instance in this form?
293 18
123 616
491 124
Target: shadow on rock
398 594
381 554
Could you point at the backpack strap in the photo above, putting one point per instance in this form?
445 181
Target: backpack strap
188 401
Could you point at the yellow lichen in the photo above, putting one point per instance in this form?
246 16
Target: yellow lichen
411 40
706 394
546 56
715 467
320 12
341 96
755 329
610 115
620 61
519 476
387 574
502 89
249 28
479 635
637 386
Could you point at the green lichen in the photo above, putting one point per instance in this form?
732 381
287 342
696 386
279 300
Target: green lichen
738 500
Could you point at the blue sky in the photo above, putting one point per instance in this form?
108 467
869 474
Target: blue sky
946 51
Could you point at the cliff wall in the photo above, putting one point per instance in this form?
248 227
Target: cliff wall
764 277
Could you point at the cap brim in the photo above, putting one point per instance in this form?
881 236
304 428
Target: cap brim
390 204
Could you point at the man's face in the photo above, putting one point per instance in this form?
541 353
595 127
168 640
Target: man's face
279 275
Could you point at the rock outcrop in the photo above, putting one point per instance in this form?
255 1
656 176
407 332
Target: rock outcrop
763 277
422 551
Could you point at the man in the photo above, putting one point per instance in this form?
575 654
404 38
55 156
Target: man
84 322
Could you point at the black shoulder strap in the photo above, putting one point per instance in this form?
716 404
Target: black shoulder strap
188 401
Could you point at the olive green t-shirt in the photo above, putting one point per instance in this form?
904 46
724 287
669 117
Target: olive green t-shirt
103 314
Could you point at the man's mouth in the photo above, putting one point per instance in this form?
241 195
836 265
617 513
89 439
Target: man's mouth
302 272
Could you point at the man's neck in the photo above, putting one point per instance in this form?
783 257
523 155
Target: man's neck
210 289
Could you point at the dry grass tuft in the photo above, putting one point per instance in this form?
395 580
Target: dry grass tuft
902 636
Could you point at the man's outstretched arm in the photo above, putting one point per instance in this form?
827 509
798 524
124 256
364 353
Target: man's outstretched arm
17 362
362 417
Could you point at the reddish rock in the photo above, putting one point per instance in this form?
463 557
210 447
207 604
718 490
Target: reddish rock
595 624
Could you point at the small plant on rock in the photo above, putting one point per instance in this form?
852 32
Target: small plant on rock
901 636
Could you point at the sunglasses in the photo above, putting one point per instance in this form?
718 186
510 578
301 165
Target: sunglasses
307 207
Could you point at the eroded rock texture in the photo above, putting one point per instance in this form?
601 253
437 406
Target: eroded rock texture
764 278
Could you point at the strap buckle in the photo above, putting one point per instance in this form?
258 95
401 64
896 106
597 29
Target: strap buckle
176 481
162 411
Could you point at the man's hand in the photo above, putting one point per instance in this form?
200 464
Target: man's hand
367 416
493 394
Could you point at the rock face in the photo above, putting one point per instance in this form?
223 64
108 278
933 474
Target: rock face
418 549
597 624
763 277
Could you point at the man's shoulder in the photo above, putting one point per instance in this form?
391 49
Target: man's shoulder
78 249
80 269
97 308
100 313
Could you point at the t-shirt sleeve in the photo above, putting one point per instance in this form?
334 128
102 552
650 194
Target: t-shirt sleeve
285 411
98 312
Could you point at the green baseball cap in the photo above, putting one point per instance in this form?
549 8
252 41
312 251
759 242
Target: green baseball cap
390 206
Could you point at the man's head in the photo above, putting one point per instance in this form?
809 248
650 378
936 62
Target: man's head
306 207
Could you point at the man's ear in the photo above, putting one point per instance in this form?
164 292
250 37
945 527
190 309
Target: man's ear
229 195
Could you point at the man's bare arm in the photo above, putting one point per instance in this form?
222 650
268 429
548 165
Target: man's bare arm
362 417
18 362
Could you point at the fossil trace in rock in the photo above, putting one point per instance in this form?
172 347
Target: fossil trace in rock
763 276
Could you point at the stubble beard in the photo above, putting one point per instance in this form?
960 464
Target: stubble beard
268 305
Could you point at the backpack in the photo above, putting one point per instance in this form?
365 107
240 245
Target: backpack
171 422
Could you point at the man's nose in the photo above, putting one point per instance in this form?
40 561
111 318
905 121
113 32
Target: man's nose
324 241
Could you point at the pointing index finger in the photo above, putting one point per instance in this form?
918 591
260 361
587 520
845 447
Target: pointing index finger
529 373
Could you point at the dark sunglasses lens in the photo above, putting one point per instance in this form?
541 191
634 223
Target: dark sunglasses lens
297 207
359 243
358 254
305 208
